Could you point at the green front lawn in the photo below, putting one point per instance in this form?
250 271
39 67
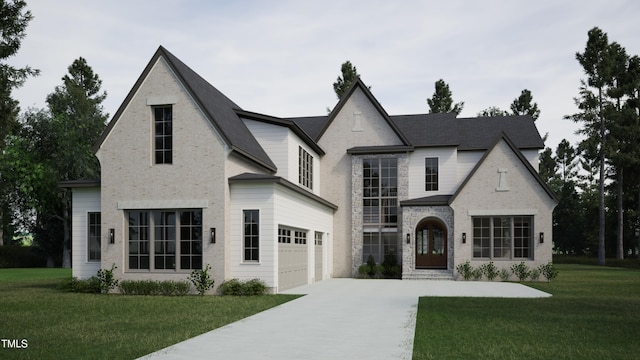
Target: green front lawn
594 314
59 325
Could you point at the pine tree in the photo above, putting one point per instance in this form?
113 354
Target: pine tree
524 105
442 102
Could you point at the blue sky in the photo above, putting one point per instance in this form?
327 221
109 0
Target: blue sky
282 57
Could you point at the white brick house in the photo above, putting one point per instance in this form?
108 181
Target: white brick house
189 178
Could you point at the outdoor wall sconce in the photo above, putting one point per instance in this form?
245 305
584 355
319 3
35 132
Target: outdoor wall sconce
408 238
464 238
212 233
112 236
541 237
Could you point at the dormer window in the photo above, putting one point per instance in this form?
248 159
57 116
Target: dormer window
163 125
305 168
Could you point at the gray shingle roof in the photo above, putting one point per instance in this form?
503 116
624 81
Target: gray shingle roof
218 109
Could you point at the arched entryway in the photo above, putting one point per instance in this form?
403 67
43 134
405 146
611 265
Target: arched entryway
431 244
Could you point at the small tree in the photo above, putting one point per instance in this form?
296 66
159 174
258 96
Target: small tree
201 280
441 101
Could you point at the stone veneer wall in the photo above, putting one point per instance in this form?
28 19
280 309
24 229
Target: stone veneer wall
411 216
356 201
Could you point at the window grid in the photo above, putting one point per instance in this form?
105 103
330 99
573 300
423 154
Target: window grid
305 168
163 123
380 207
162 226
94 228
251 235
300 237
431 174
284 236
503 237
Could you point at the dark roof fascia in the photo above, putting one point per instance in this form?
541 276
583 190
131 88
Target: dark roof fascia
359 84
177 67
520 156
393 149
83 183
435 200
260 178
282 122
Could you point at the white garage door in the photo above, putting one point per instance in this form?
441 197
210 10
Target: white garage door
293 263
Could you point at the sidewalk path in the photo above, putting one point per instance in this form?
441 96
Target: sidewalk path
337 319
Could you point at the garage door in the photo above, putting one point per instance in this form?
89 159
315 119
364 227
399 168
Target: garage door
293 263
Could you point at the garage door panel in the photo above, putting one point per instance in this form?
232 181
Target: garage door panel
292 265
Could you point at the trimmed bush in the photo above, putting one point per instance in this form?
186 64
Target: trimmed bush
504 274
90 286
235 287
521 270
548 271
490 271
152 287
465 270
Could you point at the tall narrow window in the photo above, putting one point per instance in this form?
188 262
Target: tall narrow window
163 122
305 168
164 239
94 236
251 235
138 240
431 174
191 239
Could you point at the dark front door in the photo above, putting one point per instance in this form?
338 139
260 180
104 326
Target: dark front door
431 245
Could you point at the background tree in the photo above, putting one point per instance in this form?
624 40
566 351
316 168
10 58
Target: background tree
442 102
524 105
493 111
14 19
596 62
343 83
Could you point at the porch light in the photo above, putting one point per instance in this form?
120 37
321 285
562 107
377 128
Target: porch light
541 237
408 238
112 236
464 238
212 233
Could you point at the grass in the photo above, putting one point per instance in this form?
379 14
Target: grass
59 325
593 314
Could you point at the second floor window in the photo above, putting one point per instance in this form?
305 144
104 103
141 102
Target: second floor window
305 168
431 174
163 131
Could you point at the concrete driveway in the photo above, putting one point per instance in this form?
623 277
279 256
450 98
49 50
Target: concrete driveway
337 319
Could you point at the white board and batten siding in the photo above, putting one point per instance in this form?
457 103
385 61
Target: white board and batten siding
447 171
85 201
253 197
303 214
278 206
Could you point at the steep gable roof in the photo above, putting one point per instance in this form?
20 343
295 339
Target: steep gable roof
358 84
518 153
218 109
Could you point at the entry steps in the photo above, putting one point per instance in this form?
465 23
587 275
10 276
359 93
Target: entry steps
428 275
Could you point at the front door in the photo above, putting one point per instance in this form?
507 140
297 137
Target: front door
431 245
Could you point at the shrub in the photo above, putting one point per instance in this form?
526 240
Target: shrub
363 270
91 285
548 271
152 287
235 287
534 274
373 268
465 270
521 271
490 271
177 288
504 274
106 279
390 268
477 273
201 280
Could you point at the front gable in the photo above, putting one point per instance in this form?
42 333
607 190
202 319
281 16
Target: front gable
360 119
503 180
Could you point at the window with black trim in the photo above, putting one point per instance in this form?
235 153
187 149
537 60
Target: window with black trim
503 237
251 235
163 124
176 244
94 237
431 174
305 168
